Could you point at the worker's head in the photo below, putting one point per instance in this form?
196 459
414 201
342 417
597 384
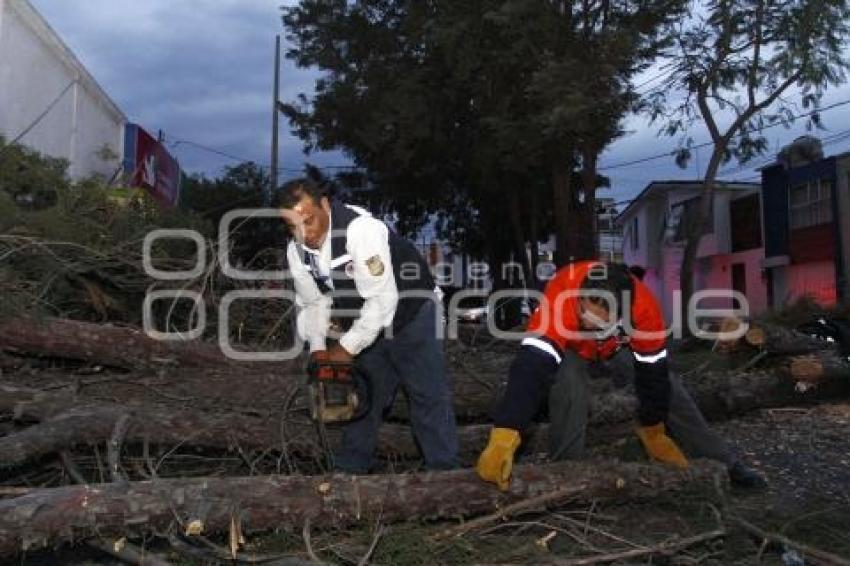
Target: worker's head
606 288
306 209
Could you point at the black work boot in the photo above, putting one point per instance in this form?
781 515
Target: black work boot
741 475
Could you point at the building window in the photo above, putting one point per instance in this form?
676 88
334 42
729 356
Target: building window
810 204
633 233
745 220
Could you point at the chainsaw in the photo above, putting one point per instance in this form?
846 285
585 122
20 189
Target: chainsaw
338 392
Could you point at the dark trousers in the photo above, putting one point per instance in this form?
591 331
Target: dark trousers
569 407
413 360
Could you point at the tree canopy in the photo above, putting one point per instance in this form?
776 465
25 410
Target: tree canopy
734 68
489 114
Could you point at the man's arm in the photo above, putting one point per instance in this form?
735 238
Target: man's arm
313 307
369 246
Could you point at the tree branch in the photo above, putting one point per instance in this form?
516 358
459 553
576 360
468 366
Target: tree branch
757 41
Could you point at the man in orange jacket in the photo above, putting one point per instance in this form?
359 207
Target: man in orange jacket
598 313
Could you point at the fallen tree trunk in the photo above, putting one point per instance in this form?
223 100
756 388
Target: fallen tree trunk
217 422
132 349
66 421
722 395
198 370
206 379
93 423
820 367
51 516
114 346
783 341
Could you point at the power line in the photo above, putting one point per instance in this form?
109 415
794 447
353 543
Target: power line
209 149
708 144
41 116
834 139
656 77
638 161
242 159
829 140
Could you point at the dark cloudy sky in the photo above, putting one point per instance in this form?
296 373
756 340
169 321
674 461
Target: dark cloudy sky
201 70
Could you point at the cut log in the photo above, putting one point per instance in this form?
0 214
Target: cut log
205 379
722 395
132 349
56 515
91 423
730 335
115 346
66 424
819 367
783 341
197 369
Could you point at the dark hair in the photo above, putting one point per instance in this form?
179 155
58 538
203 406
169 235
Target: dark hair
614 278
293 191
638 271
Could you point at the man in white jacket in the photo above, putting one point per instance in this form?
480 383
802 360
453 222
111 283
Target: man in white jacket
353 274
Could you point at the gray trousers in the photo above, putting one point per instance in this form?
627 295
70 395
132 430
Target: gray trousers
569 408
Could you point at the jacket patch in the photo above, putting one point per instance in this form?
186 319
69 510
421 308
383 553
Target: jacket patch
375 265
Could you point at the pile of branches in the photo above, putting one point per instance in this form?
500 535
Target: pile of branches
108 434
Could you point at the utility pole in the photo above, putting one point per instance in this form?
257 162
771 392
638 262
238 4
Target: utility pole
275 110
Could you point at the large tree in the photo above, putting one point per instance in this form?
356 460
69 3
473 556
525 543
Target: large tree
466 109
733 63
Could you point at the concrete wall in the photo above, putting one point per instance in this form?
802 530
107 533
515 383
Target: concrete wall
35 67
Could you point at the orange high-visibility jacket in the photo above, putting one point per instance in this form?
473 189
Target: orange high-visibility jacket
558 317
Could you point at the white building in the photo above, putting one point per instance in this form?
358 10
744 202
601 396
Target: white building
730 252
46 90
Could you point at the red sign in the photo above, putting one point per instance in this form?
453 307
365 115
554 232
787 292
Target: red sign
149 165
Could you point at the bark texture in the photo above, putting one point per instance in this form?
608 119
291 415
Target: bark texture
51 516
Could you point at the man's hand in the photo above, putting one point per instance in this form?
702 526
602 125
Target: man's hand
661 447
337 354
497 460
319 356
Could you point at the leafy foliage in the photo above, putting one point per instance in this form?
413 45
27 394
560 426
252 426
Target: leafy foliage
78 252
465 109
30 179
737 61
731 69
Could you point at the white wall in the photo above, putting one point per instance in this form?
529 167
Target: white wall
35 67
662 260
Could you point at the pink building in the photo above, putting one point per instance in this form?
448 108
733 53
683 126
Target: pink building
806 204
729 256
